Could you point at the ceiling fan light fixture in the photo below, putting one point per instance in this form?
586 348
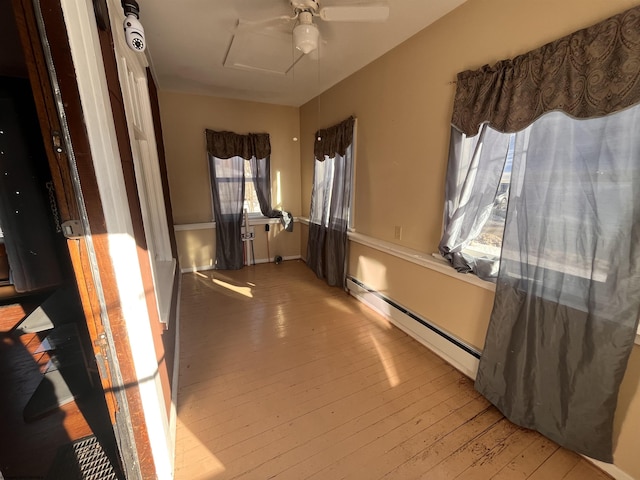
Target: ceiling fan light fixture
305 37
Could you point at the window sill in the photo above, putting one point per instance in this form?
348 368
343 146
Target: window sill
210 225
414 256
165 274
419 258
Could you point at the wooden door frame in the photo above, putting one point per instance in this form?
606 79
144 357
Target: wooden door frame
77 191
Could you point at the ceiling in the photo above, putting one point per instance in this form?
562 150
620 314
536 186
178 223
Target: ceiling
190 42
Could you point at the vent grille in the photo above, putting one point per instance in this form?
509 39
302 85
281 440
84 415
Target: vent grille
83 459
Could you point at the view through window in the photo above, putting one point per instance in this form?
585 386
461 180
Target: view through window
251 203
489 241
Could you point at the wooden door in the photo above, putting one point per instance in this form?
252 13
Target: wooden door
68 209
80 208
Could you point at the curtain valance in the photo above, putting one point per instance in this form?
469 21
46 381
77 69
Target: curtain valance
590 73
229 144
334 140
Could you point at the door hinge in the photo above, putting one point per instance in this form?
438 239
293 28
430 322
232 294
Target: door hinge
72 229
102 357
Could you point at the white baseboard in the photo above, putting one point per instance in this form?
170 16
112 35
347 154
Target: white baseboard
258 260
610 469
443 344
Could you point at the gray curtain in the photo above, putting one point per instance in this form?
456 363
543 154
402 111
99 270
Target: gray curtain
474 210
261 172
331 202
227 187
227 153
562 135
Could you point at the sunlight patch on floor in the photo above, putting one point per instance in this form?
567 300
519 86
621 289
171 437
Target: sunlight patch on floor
208 464
338 305
387 362
281 320
380 321
246 291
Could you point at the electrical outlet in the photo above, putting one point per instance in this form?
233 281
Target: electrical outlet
398 232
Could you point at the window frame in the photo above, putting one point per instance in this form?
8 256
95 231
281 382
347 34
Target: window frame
138 113
352 200
251 215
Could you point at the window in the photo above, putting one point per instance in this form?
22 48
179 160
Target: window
551 206
239 169
489 241
323 178
231 175
148 178
251 203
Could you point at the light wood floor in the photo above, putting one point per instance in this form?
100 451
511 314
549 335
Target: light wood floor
283 377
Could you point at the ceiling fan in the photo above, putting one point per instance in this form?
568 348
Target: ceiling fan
306 33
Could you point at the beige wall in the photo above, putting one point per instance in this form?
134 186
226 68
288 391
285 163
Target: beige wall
403 104
197 248
184 120
435 295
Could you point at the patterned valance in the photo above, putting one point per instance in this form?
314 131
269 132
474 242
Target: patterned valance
590 73
229 144
334 140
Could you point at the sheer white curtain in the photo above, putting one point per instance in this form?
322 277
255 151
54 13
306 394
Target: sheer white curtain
476 199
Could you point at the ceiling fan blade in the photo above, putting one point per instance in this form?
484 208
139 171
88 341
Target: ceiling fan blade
355 13
265 22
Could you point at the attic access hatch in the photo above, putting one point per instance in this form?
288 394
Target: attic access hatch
265 50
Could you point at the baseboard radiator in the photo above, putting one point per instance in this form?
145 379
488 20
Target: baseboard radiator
460 355
451 349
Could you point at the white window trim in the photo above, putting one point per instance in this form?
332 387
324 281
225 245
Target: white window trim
257 220
352 200
354 156
137 105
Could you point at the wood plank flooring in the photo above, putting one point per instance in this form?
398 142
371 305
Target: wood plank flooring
284 377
